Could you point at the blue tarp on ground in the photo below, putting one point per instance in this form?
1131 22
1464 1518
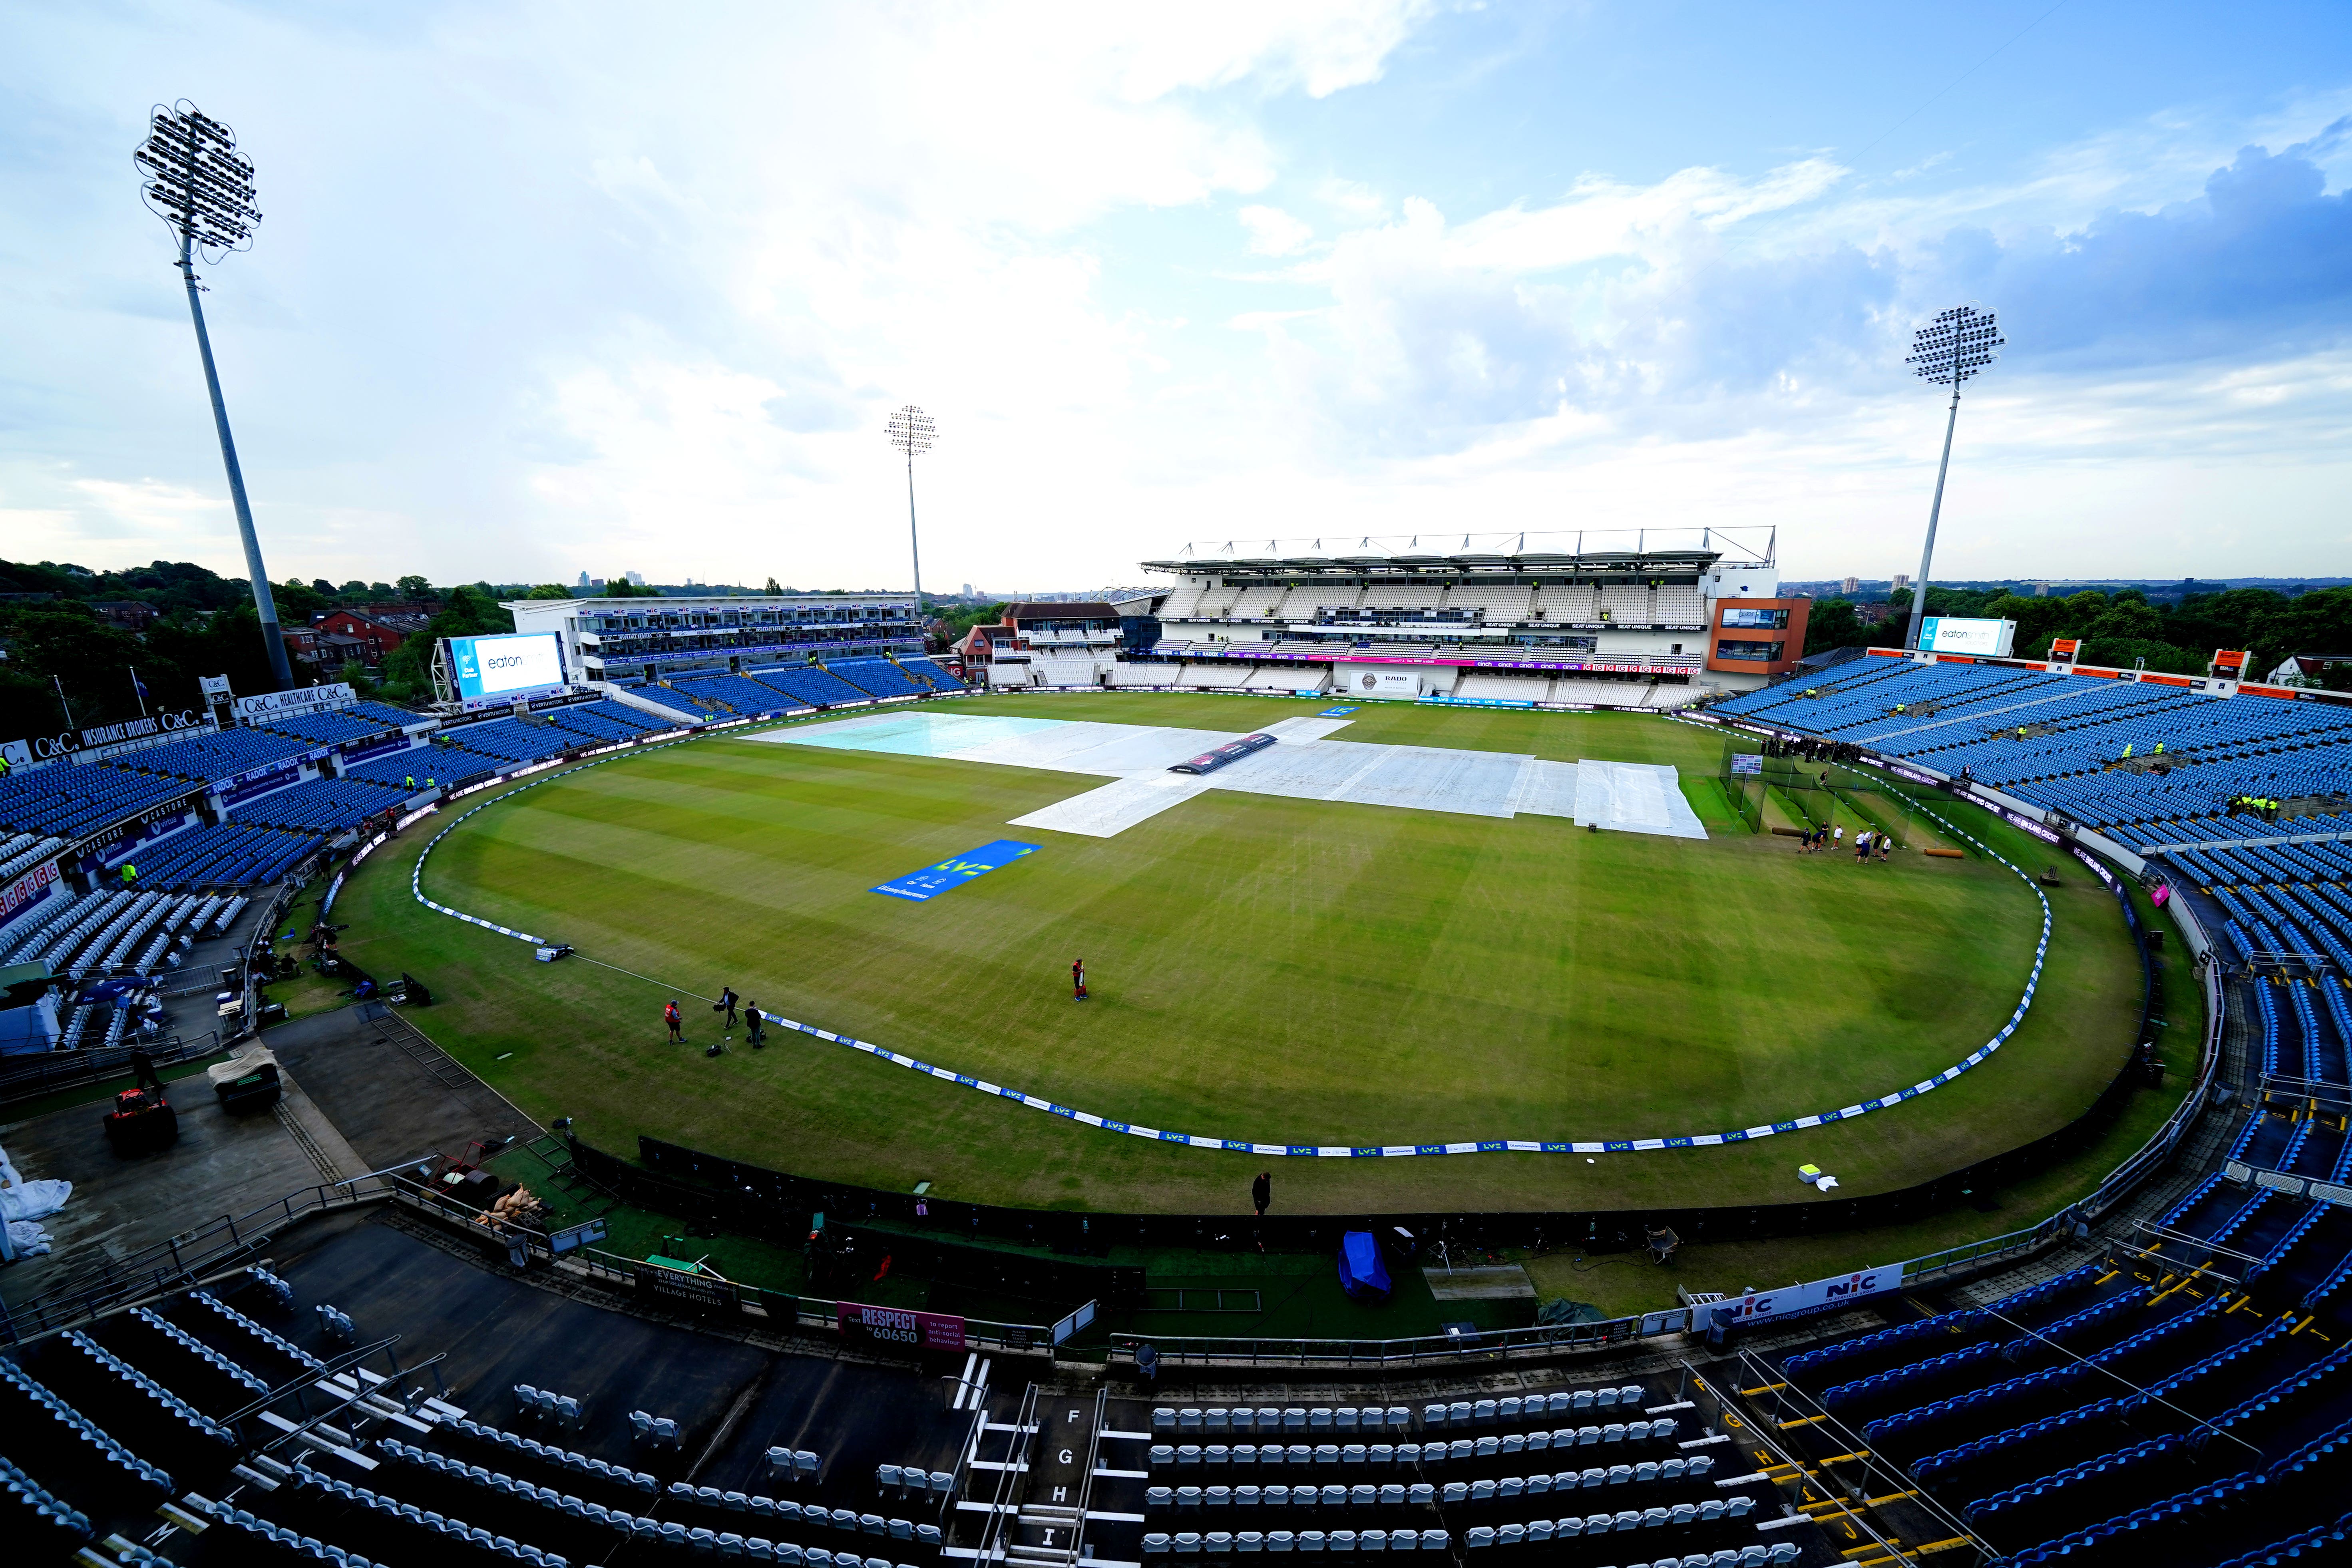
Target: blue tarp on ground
1362 1273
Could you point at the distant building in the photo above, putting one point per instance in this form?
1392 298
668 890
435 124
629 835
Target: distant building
371 631
584 582
639 578
1044 643
1848 584
124 615
1900 581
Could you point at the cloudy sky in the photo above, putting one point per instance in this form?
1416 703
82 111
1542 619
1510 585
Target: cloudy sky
545 289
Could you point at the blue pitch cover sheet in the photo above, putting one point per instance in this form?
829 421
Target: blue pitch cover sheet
954 872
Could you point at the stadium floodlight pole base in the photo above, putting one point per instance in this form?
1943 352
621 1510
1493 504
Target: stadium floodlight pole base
273 640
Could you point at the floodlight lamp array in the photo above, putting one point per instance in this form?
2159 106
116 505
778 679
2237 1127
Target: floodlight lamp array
911 431
194 179
1959 343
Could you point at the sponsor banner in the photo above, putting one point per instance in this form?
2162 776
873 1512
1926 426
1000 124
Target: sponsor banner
1795 1300
1356 682
1329 712
400 742
137 826
27 889
213 686
676 1287
1665 661
1952 633
287 704
1449 700
898 1326
921 887
104 740
1747 762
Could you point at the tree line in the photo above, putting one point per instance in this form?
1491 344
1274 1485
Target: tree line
2123 630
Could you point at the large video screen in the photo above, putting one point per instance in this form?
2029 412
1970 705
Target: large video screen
1950 634
504 667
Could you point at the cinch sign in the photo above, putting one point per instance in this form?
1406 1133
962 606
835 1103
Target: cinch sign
954 872
898 1326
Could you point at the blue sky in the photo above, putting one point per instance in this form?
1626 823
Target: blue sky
546 289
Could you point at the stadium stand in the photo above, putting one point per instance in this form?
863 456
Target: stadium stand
396 767
807 684
512 740
926 673
205 758
320 804
876 676
358 722
68 802
604 721
2066 742
727 694
228 854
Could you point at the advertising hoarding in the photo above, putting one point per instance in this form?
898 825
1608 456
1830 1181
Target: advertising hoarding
897 1326
1951 634
492 670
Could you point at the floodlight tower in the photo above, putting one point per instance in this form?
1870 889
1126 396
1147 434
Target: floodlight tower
1959 343
193 177
910 430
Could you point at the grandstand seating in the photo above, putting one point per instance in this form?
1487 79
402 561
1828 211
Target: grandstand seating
419 763
876 676
205 758
924 672
343 724
70 803
604 721
320 804
722 695
510 741
807 684
2075 728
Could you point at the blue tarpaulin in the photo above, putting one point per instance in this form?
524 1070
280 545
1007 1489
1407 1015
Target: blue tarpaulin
1362 1273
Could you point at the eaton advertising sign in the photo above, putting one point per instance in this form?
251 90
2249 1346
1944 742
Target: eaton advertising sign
920 887
491 669
1950 634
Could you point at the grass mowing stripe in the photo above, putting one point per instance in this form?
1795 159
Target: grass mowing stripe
1357 1150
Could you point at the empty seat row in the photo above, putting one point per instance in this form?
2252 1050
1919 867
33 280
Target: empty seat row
124 1372
619 1474
201 1351
84 1429
915 1479
457 1530
842 1518
1394 1493
1454 1413
236 1320
1437 1451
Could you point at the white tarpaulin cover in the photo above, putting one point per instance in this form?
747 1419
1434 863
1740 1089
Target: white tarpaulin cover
1307 766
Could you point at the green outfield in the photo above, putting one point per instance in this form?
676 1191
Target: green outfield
1274 970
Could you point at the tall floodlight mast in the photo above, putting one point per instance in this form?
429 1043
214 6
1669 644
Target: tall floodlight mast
910 430
1959 343
193 177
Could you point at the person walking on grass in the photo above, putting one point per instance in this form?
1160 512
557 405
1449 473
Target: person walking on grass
726 1003
1078 980
755 1025
1262 1195
1862 846
1837 836
1883 845
671 1016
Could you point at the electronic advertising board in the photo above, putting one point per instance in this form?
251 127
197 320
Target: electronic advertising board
489 671
1950 634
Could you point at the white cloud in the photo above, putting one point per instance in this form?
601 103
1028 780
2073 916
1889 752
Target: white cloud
1273 232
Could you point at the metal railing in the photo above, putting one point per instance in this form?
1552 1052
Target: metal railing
1490 1345
179 1262
780 1308
37 1073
